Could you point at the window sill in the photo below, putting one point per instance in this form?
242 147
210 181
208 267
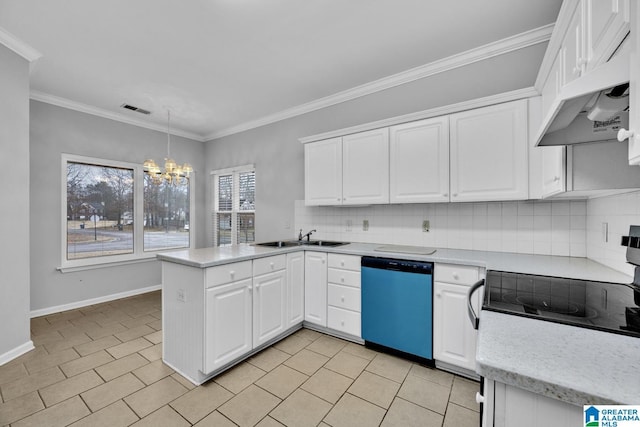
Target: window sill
93 266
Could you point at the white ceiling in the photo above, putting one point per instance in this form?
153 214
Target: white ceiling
218 64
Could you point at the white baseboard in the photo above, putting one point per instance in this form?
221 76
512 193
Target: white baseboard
18 351
92 301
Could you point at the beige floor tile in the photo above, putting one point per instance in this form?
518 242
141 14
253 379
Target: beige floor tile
155 396
407 414
269 422
282 381
62 414
31 383
48 338
105 330
301 409
112 391
347 364
120 367
197 403
464 392
156 324
83 364
137 332
308 334
327 385
182 380
67 343
431 374
250 406
135 322
292 344
63 390
458 416
20 407
391 367
128 347
239 377
153 372
47 361
327 345
307 362
11 372
164 417
97 345
215 419
152 353
351 411
117 414
269 358
375 389
154 337
425 393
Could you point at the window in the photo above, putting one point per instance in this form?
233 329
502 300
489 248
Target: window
114 211
234 206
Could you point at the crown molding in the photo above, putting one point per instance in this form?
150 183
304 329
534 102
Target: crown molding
513 95
18 46
500 47
95 111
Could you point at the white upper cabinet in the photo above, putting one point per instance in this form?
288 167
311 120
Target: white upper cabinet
607 24
573 48
634 101
488 149
323 172
419 161
365 167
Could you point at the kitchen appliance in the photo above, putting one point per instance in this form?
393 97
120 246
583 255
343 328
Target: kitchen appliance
610 307
397 306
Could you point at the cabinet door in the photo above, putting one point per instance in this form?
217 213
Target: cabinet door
551 86
315 288
365 167
489 153
269 303
573 49
295 289
227 323
607 25
419 161
553 170
323 172
454 339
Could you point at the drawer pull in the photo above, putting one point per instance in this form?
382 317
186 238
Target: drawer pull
342 279
342 298
232 273
271 264
342 322
456 276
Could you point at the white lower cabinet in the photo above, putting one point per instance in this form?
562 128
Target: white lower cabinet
269 300
343 294
295 289
454 339
228 325
315 288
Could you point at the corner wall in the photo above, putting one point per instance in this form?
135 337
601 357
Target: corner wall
14 210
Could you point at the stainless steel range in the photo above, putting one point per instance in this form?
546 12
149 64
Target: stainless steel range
611 307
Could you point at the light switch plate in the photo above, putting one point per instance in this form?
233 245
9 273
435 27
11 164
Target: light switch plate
425 226
365 225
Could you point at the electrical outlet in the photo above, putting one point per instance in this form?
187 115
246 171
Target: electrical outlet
605 232
365 225
349 224
182 295
425 226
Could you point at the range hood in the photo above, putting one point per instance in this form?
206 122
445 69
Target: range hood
591 108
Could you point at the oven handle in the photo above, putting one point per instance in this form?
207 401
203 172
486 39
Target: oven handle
472 314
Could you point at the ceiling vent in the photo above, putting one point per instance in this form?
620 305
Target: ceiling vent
136 109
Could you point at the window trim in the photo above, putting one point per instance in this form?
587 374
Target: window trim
214 199
139 254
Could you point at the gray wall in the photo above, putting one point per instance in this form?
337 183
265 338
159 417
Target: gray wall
56 130
14 211
278 155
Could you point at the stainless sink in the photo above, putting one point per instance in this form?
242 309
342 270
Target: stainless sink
290 243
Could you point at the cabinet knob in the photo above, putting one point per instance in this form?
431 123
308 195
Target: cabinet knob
556 178
445 194
455 194
338 199
456 276
342 298
323 261
439 294
271 265
250 290
625 134
342 279
232 273
342 263
342 322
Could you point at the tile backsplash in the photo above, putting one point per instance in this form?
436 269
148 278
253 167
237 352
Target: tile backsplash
532 227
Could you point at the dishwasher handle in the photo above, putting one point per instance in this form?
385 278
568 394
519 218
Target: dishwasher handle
472 314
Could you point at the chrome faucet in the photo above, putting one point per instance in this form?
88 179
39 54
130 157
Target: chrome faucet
308 235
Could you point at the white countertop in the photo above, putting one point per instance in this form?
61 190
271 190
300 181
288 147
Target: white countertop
576 365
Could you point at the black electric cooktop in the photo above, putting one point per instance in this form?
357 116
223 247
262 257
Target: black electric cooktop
610 307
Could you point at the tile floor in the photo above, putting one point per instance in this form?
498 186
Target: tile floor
101 366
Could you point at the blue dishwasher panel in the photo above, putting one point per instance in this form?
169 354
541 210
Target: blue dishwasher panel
397 310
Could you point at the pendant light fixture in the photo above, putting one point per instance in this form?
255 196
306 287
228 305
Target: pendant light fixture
173 173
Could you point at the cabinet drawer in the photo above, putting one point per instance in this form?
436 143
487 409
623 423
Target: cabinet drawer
344 297
347 262
344 277
344 321
269 264
227 273
458 274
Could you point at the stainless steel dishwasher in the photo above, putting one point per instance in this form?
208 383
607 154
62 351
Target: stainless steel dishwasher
397 306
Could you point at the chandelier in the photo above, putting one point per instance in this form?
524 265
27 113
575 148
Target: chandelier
173 173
